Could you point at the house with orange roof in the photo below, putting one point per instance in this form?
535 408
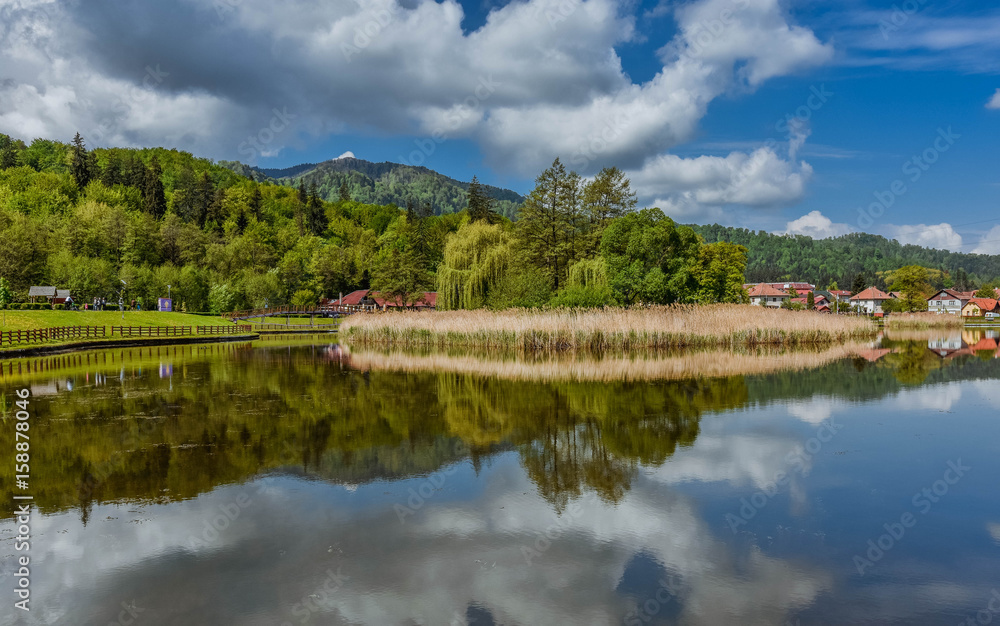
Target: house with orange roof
766 295
981 307
870 300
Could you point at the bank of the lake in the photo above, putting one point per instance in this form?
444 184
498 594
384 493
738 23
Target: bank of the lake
105 320
656 327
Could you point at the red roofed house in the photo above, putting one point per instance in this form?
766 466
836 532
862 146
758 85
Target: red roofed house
870 300
373 298
949 301
979 307
766 295
842 295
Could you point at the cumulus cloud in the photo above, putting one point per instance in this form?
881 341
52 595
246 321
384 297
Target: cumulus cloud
816 225
994 102
990 242
347 155
941 236
539 79
686 187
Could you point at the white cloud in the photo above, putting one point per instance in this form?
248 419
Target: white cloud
990 242
347 155
994 102
702 185
941 236
816 225
540 79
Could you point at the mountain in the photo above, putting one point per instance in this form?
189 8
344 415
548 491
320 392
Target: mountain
380 183
785 257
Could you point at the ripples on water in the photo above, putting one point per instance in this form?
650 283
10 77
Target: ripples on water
304 483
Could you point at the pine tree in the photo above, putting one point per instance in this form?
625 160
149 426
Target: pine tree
81 165
154 197
204 196
316 212
345 193
256 201
859 284
480 204
134 174
606 197
547 225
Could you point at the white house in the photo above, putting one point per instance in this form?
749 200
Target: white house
766 295
949 301
870 300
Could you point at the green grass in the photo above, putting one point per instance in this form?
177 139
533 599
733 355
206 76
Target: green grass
28 320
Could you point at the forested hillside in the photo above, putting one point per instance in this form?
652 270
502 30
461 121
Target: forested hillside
381 183
87 220
841 259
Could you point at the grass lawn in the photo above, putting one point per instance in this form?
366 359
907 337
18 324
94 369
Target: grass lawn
27 320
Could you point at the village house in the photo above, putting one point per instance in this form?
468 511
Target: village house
870 300
949 301
373 298
981 307
842 295
42 292
765 294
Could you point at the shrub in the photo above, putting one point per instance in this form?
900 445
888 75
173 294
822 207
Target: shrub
58 307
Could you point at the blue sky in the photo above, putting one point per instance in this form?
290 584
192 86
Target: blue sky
797 116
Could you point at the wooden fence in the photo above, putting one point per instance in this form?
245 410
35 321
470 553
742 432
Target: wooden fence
150 331
39 335
236 329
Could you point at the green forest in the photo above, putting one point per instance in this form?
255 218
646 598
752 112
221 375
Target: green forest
86 220
381 183
843 259
227 237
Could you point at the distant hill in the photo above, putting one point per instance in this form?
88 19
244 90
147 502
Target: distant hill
819 261
380 183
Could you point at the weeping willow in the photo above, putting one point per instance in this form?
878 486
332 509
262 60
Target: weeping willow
475 260
588 273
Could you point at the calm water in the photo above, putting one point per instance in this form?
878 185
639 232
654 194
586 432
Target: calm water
280 484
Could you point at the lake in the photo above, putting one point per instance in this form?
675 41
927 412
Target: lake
302 482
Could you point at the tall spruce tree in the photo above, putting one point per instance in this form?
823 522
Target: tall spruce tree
82 166
480 204
154 198
345 193
605 198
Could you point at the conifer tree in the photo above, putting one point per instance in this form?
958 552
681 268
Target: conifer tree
81 166
345 193
153 195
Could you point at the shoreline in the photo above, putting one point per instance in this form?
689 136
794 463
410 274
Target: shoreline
80 346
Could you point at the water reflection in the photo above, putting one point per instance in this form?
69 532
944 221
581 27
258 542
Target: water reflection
281 484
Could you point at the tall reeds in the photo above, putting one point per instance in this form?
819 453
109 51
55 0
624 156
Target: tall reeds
607 368
657 327
918 321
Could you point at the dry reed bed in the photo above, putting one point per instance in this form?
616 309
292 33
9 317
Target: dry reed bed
700 364
919 321
658 327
